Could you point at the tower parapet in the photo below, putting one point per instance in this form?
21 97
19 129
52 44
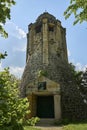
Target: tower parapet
48 35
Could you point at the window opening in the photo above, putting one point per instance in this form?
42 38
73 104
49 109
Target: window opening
51 28
38 29
42 86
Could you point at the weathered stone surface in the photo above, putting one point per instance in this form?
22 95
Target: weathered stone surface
47 52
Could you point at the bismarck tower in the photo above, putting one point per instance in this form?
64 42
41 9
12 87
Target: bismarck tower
46 75
46 58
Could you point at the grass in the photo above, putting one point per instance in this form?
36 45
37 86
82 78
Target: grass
75 127
78 126
30 128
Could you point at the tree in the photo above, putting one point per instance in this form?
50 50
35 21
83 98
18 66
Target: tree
77 75
84 79
2 56
5 8
79 9
12 108
81 80
83 86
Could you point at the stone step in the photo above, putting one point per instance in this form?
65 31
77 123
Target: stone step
45 122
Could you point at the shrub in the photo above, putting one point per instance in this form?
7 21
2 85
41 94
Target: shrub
12 108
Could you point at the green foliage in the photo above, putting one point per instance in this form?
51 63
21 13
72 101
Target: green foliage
75 127
80 78
79 9
5 8
2 56
83 85
42 73
12 108
62 122
77 75
31 128
32 121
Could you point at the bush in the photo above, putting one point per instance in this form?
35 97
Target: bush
12 108
32 121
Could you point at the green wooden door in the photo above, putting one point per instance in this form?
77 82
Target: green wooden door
45 106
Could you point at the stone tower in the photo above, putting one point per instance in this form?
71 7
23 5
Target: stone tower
46 58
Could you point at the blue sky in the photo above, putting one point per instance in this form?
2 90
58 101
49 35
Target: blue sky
27 11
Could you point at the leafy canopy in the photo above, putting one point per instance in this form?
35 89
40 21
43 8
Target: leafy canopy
5 8
79 9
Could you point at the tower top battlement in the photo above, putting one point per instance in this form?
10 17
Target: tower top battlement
50 19
46 15
48 37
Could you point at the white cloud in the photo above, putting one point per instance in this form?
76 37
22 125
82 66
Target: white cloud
1 24
15 42
84 67
1 68
17 71
18 35
69 53
21 33
22 49
11 23
15 31
80 67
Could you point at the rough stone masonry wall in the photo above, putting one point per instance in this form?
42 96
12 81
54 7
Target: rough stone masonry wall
72 104
32 67
32 105
58 70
